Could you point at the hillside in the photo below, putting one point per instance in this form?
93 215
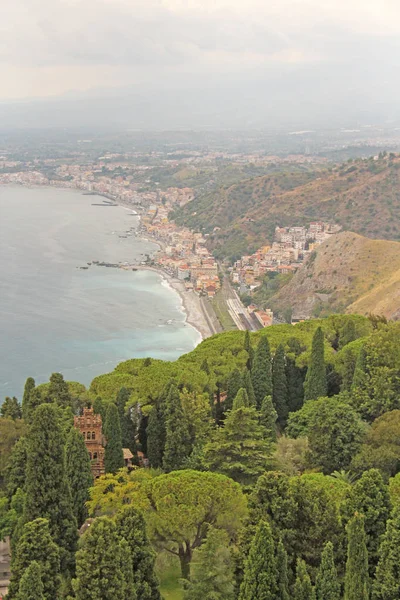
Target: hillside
348 272
361 195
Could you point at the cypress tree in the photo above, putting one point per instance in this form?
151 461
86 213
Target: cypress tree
241 400
360 370
348 371
303 589
29 387
249 349
177 439
58 391
315 385
99 570
142 433
260 578
387 575
282 565
356 584
279 386
31 586
16 468
248 385
155 437
131 527
11 409
46 486
234 384
327 585
128 589
128 429
348 333
268 418
113 456
204 366
295 384
79 473
36 545
100 408
261 373
35 400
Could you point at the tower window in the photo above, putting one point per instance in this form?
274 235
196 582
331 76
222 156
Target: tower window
88 435
93 435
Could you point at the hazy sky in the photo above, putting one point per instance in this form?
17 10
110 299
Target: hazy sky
348 48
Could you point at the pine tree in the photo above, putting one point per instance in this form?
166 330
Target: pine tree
128 429
268 418
131 527
387 575
249 349
46 486
11 409
260 578
261 373
31 586
295 384
327 585
248 386
356 585
36 545
58 391
99 570
177 439
79 473
16 467
29 387
113 456
155 437
279 386
282 566
241 400
212 570
234 384
315 385
303 589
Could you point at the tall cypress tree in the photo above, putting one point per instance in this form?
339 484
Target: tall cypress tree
261 373
348 371
155 437
36 545
241 400
235 382
315 385
31 586
46 486
131 527
177 439
79 473
387 575
356 584
248 386
11 409
128 588
348 333
29 387
327 585
58 391
360 370
282 566
279 386
295 383
268 418
303 589
16 468
113 455
100 408
260 578
35 400
128 429
249 349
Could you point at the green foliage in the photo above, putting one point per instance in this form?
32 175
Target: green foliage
128 429
212 570
235 382
11 409
100 570
177 441
268 418
113 456
79 474
261 373
58 391
36 545
16 467
239 449
302 589
279 386
249 349
315 385
248 386
47 491
381 448
31 586
282 567
260 580
387 580
241 400
131 527
356 585
100 408
327 586
295 381
155 437
29 387
347 333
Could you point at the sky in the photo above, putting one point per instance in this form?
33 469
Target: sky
200 61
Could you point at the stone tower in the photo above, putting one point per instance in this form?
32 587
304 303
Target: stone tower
90 427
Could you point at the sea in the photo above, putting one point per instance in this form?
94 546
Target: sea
58 317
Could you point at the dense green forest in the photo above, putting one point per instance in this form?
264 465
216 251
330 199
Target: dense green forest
274 472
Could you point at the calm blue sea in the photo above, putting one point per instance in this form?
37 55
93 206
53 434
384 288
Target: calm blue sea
57 317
